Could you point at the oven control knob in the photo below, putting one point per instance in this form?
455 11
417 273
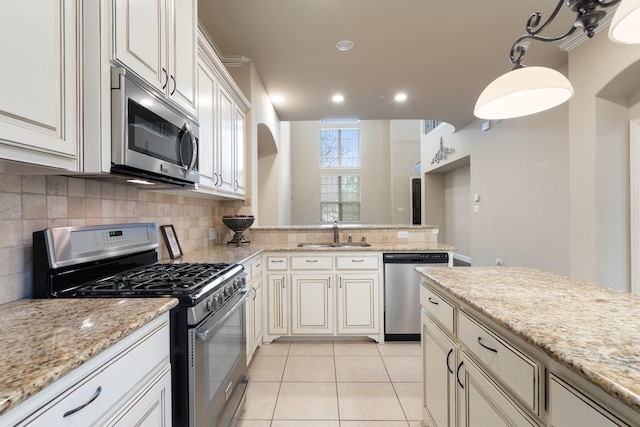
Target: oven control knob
214 303
228 291
237 284
210 305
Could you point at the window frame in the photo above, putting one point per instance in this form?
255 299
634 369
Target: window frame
340 130
340 202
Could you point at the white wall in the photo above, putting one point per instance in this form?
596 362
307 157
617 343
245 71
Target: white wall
519 168
375 186
457 205
404 154
599 175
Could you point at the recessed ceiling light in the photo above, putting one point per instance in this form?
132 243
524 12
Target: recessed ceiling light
401 97
337 98
277 99
344 45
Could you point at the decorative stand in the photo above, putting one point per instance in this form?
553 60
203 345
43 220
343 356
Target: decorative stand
238 224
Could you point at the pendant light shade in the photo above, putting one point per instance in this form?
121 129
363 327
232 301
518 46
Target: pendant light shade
625 26
523 91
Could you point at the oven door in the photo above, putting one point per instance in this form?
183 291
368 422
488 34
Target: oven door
218 378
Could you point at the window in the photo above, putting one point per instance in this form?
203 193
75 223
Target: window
339 148
339 198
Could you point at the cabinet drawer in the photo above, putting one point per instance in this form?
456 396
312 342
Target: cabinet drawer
364 262
437 307
319 262
256 269
117 382
277 263
516 370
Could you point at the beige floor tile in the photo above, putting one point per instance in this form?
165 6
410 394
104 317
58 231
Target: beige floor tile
305 423
267 368
261 401
254 423
360 369
274 349
355 349
410 395
403 369
374 424
307 401
309 368
400 349
311 349
369 401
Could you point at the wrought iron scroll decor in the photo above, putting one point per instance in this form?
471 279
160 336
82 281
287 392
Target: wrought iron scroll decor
442 153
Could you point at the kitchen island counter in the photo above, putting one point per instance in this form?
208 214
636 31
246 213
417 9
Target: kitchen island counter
592 330
42 340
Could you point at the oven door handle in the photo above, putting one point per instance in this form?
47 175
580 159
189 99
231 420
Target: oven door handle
208 330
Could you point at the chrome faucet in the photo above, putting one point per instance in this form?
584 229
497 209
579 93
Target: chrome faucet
336 233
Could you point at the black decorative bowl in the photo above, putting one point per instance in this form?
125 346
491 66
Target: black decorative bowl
238 224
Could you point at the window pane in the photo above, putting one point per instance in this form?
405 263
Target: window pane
329 147
350 212
329 189
329 212
349 148
340 198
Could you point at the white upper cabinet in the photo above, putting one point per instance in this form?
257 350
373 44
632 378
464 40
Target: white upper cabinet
156 39
221 109
39 111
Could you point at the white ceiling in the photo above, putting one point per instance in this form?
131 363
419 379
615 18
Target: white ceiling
441 54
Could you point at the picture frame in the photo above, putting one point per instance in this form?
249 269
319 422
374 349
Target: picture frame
171 240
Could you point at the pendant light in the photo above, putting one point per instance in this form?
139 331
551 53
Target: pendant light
529 90
625 26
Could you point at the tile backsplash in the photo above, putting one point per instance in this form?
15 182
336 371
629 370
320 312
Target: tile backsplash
30 203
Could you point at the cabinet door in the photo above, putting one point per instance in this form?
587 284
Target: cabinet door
439 359
482 403
312 304
225 161
140 39
206 116
182 52
277 307
568 407
38 98
358 304
152 407
257 314
240 148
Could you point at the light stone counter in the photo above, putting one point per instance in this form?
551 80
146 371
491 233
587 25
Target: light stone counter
42 340
239 254
594 331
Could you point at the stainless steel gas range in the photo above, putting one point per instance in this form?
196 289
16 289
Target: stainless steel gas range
208 358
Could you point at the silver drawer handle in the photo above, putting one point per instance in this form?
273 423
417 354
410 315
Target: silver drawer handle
484 346
311 260
277 260
357 260
432 301
94 397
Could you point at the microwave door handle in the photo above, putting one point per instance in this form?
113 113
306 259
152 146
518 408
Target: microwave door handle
194 156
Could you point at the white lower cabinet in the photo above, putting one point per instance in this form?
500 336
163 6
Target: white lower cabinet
329 295
358 296
439 360
311 304
493 378
253 311
571 408
128 384
482 403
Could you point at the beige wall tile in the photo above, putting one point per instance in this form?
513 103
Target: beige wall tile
57 185
108 208
93 188
10 206
11 232
11 183
77 207
77 187
34 184
34 206
57 207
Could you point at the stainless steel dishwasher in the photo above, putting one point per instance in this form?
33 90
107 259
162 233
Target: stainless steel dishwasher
402 292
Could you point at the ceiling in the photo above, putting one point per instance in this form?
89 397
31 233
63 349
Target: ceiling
441 54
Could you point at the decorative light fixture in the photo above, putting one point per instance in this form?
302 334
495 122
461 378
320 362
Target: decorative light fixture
625 27
344 45
528 90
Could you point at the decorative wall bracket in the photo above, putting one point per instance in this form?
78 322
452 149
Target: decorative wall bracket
442 153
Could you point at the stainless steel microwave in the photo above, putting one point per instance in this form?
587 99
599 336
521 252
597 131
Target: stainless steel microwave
150 139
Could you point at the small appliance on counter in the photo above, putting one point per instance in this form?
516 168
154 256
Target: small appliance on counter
238 224
121 261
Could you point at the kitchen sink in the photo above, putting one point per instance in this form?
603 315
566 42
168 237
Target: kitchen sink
334 245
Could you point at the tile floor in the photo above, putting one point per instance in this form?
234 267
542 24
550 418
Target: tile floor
334 384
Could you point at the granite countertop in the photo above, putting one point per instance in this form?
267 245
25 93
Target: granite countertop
240 254
42 340
345 226
592 330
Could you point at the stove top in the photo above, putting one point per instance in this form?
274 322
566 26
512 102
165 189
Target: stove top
158 279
